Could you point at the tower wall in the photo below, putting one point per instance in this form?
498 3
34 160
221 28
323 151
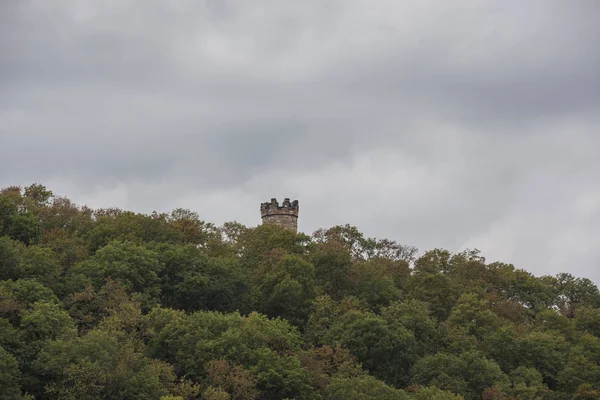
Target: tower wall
284 215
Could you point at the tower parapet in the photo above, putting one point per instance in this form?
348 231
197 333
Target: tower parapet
284 215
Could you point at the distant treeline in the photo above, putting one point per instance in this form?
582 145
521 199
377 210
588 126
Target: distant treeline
112 304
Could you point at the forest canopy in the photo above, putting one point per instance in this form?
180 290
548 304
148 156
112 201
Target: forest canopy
114 304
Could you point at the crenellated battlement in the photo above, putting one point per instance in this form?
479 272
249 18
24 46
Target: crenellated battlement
273 207
285 215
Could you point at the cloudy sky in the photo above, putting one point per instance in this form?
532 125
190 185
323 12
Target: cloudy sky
454 124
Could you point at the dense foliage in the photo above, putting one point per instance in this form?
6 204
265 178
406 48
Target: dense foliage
111 304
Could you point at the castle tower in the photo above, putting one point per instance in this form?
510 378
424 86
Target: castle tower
285 215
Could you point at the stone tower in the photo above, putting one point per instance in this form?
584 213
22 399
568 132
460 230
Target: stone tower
285 215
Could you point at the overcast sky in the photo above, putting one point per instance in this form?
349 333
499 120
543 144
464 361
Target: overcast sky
453 124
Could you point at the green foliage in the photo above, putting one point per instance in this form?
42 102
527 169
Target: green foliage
134 265
473 315
10 376
192 280
371 282
99 365
415 316
362 388
437 290
41 264
587 319
287 284
9 257
386 350
467 374
16 296
113 304
332 264
434 393
546 352
264 346
526 383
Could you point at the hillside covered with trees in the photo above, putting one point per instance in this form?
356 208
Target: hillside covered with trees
113 304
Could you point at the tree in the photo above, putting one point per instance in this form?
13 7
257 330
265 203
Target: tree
24 227
264 346
573 292
415 316
546 352
437 290
110 303
362 248
587 392
101 365
130 227
371 282
16 296
38 193
327 362
587 319
192 280
433 262
41 264
468 374
287 286
578 370
387 352
473 314
9 257
236 381
10 376
134 265
526 383
362 388
332 262
504 347
258 242
190 227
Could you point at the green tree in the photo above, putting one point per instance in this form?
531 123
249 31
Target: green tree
192 280
387 351
10 376
101 365
574 292
362 248
504 347
437 290
468 374
415 316
332 262
9 258
473 314
587 319
578 370
434 261
16 296
288 287
527 384
190 227
236 381
433 393
41 264
266 347
371 282
362 388
258 243
134 265
587 392
125 226
545 351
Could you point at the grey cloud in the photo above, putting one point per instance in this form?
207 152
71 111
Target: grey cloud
435 123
